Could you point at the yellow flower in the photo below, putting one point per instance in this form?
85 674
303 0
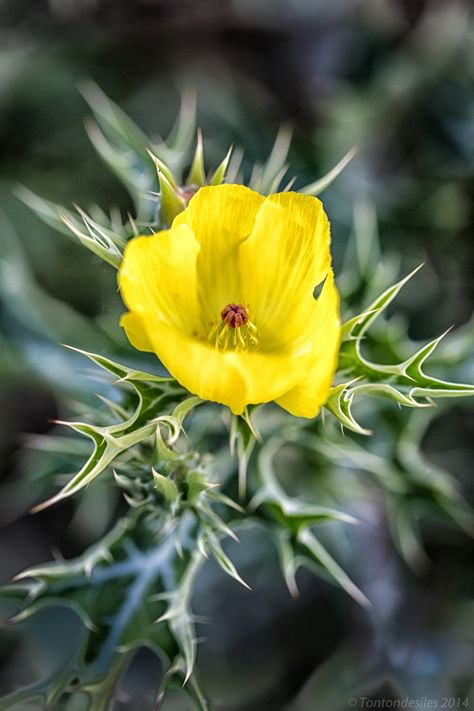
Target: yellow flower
225 299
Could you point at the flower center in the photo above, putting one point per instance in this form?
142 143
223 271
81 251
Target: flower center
235 315
235 331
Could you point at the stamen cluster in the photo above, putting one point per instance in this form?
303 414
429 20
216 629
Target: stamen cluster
235 331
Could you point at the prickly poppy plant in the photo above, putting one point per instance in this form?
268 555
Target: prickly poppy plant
229 285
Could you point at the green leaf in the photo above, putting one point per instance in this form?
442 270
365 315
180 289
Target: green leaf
135 173
243 438
109 442
166 487
46 210
322 183
179 616
405 382
174 151
161 167
114 122
288 561
329 565
197 173
293 513
133 573
274 168
356 327
339 404
96 239
173 679
211 542
170 203
219 175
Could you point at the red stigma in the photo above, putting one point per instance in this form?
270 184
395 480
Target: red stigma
235 315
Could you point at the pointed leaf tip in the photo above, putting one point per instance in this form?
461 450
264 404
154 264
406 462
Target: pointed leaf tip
322 183
197 173
171 203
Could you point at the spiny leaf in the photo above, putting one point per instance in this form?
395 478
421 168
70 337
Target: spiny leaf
243 438
179 616
185 407
322 183
182 132
406 534
339 404
196 485
288 560
161 167
113 440
46 210
197 173
274 186
166 487
84 564
211 541
274 168
130 576
233 171
357 326
292 512
209 518
219 175
122 372
171 204
98 238
405 382
115 123
327 562
173 679
135 173
107 446
174 423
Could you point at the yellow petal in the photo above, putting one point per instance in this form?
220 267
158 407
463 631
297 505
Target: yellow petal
158 278
284 259
232 245
221 217
233 379
307 397
136 332
199 368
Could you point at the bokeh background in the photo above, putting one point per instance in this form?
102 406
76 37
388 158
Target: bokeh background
395 77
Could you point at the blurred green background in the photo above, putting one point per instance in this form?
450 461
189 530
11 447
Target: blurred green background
395 77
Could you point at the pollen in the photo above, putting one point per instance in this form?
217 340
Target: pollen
234 331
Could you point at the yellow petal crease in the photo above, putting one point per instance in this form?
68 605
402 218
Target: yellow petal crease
285 258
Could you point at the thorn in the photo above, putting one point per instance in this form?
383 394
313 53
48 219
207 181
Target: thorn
322 183
232 535
242 582
179 548
219 175
56 553
290 184
163 618
200 640
45 504
163 168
